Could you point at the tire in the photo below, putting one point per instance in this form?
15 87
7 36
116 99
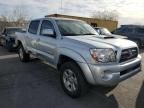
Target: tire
24 57
71 75
0 42
4 44
8 46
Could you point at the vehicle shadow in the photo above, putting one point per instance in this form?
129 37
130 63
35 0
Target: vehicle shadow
97 97
35 85
3 51
140 98
48 78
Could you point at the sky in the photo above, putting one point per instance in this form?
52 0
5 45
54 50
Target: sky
129 11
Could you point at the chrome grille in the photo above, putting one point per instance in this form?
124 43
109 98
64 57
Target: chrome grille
128 54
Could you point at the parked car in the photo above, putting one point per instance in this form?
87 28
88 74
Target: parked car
133 32
105 31
77 51
7 38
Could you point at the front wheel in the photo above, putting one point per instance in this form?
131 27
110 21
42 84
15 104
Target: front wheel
72 80
24 57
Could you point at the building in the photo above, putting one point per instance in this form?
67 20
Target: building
111 25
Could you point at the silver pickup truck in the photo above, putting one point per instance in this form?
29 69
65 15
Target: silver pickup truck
79 53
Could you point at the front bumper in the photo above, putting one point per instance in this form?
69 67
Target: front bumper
110 75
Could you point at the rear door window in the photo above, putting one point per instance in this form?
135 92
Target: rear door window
33 27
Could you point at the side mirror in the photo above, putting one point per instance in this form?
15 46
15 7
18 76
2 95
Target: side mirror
48 32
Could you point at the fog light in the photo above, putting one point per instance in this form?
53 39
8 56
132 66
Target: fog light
106 75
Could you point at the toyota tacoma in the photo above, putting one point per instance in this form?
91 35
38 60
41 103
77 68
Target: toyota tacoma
79 53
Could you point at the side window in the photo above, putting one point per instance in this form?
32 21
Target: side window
33 27
46 25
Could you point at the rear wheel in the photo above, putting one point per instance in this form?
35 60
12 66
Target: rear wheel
72 80
24 57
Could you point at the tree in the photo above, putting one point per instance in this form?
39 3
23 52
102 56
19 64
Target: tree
18 16
106 15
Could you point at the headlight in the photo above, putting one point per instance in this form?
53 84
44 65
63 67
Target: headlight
103 55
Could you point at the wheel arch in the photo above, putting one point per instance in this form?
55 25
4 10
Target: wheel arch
19 43
85 71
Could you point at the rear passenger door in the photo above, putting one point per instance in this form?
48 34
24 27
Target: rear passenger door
32 35
47 43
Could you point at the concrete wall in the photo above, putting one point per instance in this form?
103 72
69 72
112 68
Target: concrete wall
111 25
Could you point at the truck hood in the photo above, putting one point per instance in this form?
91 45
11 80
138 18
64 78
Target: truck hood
98 41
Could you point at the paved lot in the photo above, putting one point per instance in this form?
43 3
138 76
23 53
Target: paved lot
36 85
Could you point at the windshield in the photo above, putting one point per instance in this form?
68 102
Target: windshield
74 28
105 31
